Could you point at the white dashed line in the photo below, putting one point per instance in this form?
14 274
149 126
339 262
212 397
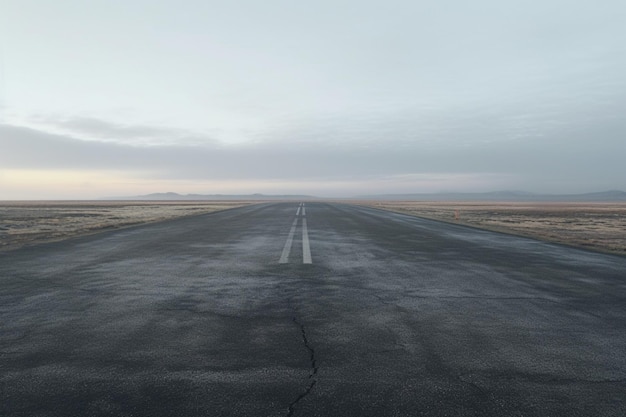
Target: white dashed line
284 258
306 249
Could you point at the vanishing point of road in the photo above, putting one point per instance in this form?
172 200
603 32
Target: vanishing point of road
310 309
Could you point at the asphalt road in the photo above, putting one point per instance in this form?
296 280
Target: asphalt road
320 310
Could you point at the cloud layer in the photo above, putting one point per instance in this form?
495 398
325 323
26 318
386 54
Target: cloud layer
403 95
539 164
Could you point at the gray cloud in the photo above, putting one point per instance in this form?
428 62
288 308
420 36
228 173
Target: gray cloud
527 95
93 128
588 159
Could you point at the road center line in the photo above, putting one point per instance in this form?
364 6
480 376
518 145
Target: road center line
306 249
303 210
298 212
284 258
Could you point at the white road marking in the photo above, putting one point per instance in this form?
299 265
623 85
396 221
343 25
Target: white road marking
284 258
306 249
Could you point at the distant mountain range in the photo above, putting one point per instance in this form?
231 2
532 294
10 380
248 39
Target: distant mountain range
175 196
513 196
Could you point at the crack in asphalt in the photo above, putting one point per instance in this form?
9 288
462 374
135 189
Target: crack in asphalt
301 396
312 371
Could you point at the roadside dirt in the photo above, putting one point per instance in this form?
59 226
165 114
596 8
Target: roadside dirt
596 226
26 222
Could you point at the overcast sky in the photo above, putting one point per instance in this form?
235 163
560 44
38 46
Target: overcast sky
331 98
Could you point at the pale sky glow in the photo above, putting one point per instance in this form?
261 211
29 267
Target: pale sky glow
110 98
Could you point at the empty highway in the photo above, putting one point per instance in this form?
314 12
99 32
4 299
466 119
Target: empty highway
310 309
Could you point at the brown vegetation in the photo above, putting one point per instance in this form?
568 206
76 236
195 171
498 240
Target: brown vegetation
597 226
23 223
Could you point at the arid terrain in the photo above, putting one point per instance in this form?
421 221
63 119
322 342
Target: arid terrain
27 222
596 226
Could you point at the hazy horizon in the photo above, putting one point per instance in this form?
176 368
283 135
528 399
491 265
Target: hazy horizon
333 99
615 196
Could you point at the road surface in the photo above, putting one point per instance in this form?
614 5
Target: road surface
311 309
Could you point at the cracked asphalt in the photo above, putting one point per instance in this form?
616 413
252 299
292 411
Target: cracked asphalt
395 316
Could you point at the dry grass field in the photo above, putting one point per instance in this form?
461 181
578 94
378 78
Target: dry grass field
596 226
27 222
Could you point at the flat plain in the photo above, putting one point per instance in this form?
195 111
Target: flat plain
596 226
30 222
